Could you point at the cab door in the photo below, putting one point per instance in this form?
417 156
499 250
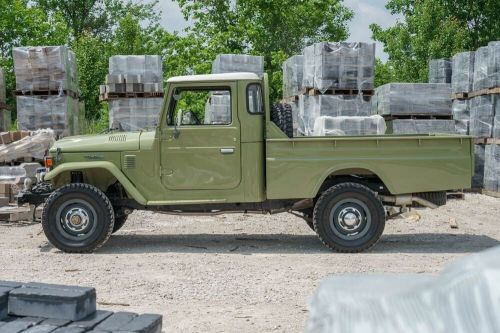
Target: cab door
200 144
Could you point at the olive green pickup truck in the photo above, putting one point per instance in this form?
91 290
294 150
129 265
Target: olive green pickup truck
210 158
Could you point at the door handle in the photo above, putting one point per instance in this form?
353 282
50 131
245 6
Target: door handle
227 151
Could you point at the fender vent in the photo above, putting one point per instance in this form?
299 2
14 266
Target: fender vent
118 138
129 162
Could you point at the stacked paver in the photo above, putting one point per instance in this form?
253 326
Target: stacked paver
330 88
38 307
238 63
5 115
440 71
134 91
47 89
415 108
476 105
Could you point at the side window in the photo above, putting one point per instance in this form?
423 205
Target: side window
196 107
254 99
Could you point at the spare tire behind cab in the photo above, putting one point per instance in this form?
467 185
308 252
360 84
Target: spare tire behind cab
281 115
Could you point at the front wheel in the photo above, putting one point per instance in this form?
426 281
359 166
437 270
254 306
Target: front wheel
78 218
349 217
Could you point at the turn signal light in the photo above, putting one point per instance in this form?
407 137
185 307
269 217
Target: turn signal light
49 162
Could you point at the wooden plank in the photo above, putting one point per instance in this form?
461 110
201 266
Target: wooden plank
42 93
482 92
111 96
349 92
16 214
461 95
418 117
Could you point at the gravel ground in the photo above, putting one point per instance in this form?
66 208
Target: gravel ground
240 273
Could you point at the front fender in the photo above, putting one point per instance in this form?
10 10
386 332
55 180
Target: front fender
108 166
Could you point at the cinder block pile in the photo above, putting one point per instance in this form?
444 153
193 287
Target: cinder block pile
47 89
134 91
5 114
330 88
38 307
238 63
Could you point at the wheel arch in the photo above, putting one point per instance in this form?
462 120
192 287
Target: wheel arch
332 176
99 174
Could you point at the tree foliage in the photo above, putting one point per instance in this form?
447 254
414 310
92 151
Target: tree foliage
434 29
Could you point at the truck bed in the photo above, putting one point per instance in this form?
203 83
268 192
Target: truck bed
297 167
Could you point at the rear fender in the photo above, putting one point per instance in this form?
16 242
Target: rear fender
100 174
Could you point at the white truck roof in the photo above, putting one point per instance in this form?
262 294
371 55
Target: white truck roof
214 77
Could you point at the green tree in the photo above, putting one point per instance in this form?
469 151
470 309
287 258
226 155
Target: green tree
274 29
434 29
98 18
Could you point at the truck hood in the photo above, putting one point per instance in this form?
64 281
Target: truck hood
99 143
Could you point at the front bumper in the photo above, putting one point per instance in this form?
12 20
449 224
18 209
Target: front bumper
36 196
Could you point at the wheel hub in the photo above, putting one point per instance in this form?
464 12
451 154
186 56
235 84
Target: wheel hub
76 219
350 219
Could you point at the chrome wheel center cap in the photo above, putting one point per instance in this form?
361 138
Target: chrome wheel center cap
76 220
351 220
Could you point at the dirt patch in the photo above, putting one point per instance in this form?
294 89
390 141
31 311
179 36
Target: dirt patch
246 273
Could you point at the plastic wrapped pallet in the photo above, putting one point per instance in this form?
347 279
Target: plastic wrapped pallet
34 146
494 64
136 68
413 99
462 76
293 74
218 109
45 68
339 66
440 71
349 126
134 114
422 126
3 94
465 297
58 113
482 112
461 115
313 107
234 63
481 60
492 168
479 157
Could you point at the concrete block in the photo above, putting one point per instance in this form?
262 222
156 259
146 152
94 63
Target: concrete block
4 201
146 323
4 297
116 321
19 324
69 330
91 321
52 301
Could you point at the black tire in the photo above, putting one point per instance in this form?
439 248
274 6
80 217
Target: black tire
349 218
281 115
437 198
119 222
93 216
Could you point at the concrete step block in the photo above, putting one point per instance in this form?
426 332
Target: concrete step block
52 301
16 325
146 323
92 321
116 321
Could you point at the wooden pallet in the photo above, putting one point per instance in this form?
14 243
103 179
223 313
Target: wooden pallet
491 193
43 93
482 92
461 95
487 141
418 117
16 214
456 195
349 92
112 96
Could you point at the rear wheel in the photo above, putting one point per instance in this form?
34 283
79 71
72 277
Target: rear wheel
349 217
78 218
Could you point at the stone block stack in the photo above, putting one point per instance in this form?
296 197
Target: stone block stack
134 91
47 89
330 87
